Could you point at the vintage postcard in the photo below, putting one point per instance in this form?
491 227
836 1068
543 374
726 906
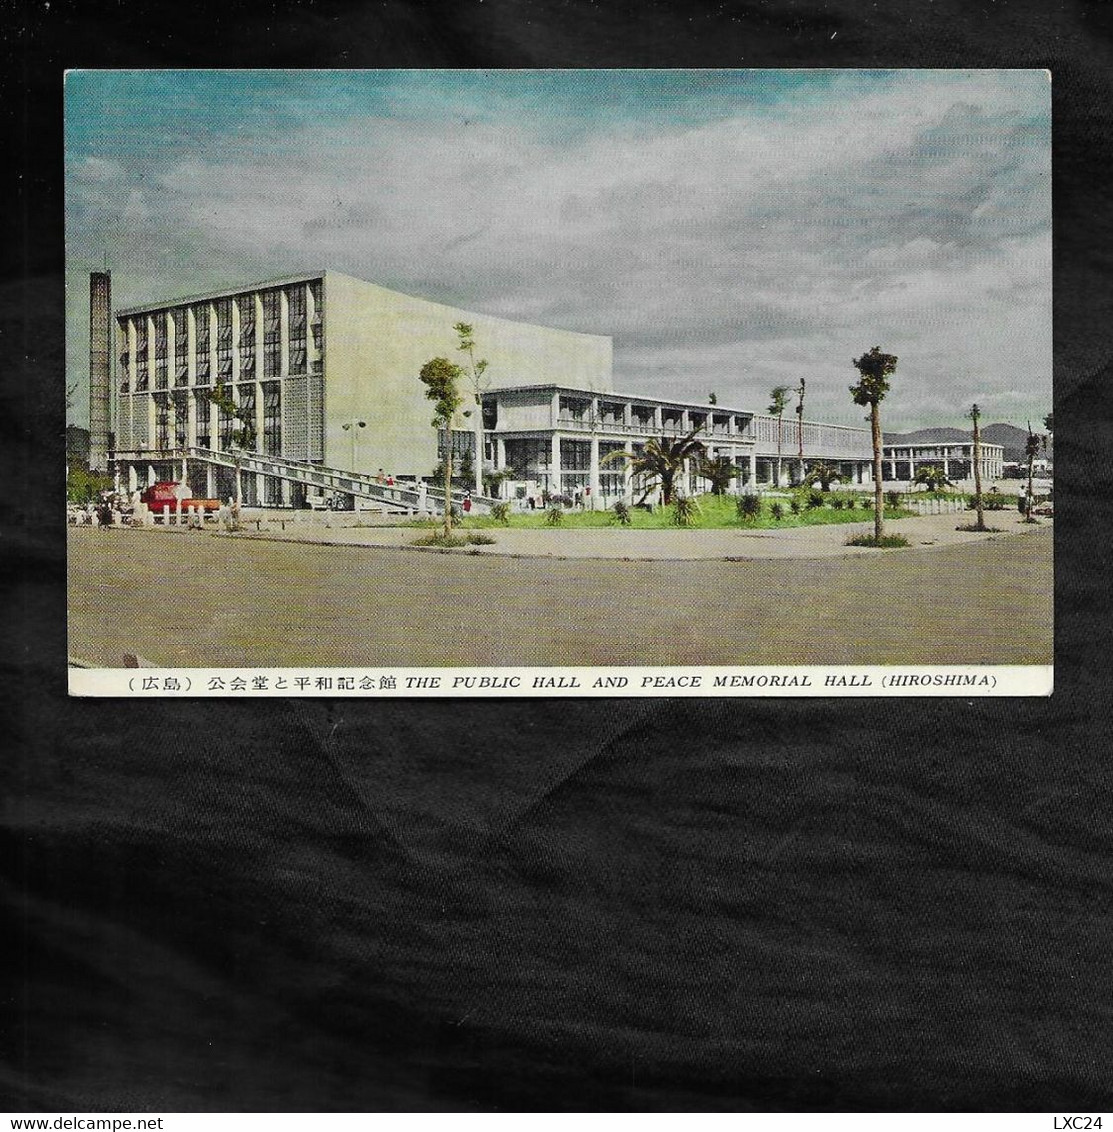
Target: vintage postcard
559 383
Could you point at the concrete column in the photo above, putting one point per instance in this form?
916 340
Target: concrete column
593 475
235 378
946 464
554 409
554 466
627 474
210 481
753 468
500 453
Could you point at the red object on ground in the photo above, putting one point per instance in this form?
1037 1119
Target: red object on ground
161 494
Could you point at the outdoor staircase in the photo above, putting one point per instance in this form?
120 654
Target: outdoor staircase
393 498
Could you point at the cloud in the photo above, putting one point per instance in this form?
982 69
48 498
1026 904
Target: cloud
736 252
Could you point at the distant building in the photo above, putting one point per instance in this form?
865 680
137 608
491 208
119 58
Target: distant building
956 458
325 368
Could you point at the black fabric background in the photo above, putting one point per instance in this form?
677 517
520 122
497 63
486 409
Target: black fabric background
753 905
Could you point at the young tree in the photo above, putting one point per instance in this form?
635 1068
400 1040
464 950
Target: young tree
874 369
976 416
777 407
1031 451
800 425
822 474
475 370
661 460
713 398
441 378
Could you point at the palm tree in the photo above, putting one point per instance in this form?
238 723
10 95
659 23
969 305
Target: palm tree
661 460
931 476
976 416
720 472
823 474
777 408
875 369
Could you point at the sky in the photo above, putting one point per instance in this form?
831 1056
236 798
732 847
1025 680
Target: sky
732 231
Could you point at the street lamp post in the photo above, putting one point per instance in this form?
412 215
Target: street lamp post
236 452
353 426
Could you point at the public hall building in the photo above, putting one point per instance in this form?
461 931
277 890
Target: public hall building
324 368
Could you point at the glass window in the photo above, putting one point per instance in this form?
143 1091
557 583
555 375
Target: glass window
181 419
575 455
201 343
141 375
272 418
204 433
272 334
181 346
162 422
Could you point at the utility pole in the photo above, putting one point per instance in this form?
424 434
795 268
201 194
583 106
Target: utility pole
800 424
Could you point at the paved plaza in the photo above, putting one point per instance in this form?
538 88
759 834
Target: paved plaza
569 597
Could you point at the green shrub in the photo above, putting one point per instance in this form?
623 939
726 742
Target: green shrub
554 516
837 503
777 511
794 506
684 511
887 542
622 513
892 498
478 538
815 499
501 513
749 506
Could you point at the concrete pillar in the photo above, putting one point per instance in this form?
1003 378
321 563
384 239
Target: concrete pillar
133 479
627 474
593 475
554 466
753 468
500 453
210 482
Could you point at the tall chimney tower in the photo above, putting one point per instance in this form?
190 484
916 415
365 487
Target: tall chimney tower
100 344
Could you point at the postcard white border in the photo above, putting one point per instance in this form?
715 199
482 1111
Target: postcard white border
894 681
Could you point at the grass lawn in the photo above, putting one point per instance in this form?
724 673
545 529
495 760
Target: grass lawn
713 513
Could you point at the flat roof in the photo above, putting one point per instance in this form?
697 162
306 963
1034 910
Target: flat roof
703 406
224 293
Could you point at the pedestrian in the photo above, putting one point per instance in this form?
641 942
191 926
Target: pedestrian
532 503
104 514
467 503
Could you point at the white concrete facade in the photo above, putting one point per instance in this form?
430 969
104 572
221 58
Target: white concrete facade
324 369
557 439
956 458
